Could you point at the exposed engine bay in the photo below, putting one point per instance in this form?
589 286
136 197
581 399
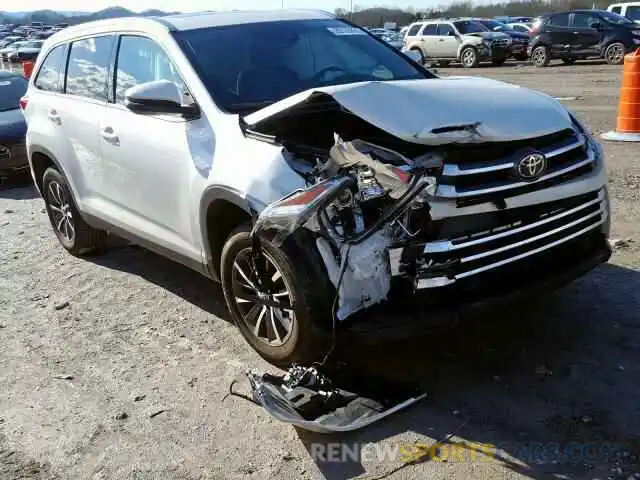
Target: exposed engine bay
362 200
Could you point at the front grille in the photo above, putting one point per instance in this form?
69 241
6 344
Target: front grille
503 42
471 181
481 243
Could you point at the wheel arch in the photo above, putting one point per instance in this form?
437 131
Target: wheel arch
41 158
222 210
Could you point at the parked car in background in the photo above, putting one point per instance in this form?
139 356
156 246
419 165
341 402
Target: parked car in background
580 34
29 51
507 19
13 155
630 10
519 40
521 27
396 40
10 40
6 52
463 40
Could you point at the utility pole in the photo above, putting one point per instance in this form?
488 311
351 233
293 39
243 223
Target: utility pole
351 10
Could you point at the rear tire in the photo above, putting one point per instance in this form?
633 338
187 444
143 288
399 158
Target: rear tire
614 54
75 235
469 57
540 56
282 336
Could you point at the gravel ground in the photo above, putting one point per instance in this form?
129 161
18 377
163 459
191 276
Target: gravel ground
117 366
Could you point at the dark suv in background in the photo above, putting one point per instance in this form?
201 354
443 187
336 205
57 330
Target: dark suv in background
519 40
581 34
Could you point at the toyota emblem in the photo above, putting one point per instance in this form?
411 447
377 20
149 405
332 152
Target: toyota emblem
531 167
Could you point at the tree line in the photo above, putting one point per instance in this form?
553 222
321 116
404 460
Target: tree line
376 17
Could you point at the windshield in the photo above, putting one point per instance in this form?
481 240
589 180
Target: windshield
614 18
633 12
248 66
11 90
495 26
470 26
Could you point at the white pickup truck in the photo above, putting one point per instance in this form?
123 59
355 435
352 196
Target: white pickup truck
631 10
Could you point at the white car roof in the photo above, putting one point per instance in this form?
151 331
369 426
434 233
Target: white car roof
187 21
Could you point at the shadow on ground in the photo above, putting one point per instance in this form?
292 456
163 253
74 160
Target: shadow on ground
562 376
18 189
178 279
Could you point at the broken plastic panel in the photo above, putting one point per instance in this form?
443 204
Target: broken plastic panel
309 399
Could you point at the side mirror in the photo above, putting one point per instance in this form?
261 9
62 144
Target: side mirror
413 55
160 96
452 33
595 25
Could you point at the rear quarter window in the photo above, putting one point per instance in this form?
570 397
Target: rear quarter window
413 31
49 77
559 20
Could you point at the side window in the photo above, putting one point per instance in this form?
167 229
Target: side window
142 60
559 20
444 29
617 10
633 12
583 20
430 29
50 76
413 31
88 68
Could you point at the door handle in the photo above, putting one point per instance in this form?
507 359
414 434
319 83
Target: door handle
576 33
54 117
109 135
441 40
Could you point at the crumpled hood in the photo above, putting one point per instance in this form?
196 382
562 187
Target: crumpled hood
431 111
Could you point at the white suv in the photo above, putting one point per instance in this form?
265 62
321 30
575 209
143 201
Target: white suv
316 172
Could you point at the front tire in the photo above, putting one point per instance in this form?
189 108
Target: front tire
75 235
291 332
469 57
540 56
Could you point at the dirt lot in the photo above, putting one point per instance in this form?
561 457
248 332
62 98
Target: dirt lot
117 367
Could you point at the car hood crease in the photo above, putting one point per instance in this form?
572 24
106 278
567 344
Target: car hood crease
412 109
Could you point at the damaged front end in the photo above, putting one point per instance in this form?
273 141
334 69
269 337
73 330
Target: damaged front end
363 203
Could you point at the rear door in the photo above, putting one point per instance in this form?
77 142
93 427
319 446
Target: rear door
76 115
557 27
586 39
447 41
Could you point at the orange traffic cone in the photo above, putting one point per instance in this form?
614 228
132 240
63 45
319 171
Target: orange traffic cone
628 124
27 68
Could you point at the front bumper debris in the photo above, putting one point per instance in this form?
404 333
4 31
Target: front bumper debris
309 399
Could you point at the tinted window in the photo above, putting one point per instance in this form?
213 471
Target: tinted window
430 29
413 31
584 20
49 74
249 66
633 12
559 20
445 29
616 10
142 60
88 67
12 88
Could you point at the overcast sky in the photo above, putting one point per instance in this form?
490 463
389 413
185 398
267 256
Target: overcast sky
195 5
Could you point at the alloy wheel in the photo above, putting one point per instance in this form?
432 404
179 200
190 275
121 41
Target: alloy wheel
615 54
539 56
265 303
61 213
468 57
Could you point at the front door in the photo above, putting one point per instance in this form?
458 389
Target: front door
586 39
146 158
447 41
